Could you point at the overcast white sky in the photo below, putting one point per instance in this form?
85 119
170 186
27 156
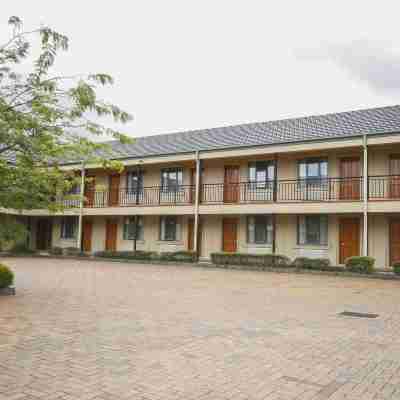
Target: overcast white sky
185 64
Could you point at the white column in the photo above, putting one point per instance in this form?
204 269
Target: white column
365 196
197 201
82 193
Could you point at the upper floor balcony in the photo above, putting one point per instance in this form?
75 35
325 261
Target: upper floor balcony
256 192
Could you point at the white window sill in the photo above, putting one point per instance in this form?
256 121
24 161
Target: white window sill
171 242
312 247
258 245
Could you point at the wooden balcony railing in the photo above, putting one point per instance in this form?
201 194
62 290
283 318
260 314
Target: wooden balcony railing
289 191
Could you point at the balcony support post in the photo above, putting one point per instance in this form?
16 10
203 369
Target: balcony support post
196 207
81 204
273 233
275 187
365 196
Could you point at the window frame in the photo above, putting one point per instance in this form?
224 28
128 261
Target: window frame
268 228
321 234
266 183
307 162
71 233
163 220
127 234
167 187
134 185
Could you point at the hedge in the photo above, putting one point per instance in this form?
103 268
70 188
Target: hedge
22 248
178 256
396 267
6 276
360 264
312 263
256 260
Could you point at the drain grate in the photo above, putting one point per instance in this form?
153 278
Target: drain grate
358 314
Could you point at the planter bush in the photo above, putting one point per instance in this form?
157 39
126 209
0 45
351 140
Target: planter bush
312 263
255 260
22 248
179 256
6 276
396 268
72 251
360 264
56 251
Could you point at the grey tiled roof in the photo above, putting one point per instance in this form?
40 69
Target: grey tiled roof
339 125
329 126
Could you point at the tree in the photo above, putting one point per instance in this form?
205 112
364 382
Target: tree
45 118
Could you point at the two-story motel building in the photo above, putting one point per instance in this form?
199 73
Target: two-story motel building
319 186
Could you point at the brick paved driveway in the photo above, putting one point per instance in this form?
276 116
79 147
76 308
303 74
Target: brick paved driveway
98 330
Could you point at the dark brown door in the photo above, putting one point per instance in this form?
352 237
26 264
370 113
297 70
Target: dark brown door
111 235
394 171
231 185
43 234
350 182
229 237
394 237
349 238
191 235
87 236
90 185
114 190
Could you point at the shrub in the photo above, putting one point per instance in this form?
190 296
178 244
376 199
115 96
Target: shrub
312 263
396 267
21 248
6 276
256 260
178 256
56 251
72 251
360 264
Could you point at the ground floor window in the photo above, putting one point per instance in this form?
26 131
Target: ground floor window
169 228
312 229
68 227
259 229
130 228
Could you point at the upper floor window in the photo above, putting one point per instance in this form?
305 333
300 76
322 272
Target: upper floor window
262 173
259 229
68 227
171 179
313 230
313 170
130 228
134 181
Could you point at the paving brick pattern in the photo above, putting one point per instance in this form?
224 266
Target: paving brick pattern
109 331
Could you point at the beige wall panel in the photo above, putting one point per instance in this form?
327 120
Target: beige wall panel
212 234
378 239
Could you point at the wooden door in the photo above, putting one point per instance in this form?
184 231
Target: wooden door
87 236
394 182
350 183
349 238
231 184
191 235
90 186
43 234
394 238
114 190
229 236
111 235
